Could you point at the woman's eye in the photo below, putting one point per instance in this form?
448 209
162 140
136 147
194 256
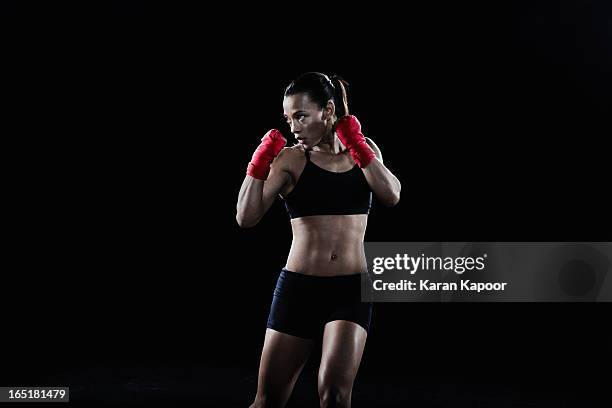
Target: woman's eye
300 118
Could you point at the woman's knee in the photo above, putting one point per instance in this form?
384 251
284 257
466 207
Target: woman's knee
266 401
334 395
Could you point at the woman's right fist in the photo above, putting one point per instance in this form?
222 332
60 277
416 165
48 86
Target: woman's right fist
271 145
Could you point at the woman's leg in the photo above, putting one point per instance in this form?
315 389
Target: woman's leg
343 344
282 359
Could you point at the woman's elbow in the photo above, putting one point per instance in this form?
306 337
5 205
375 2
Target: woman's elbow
246 221
391 199
395 201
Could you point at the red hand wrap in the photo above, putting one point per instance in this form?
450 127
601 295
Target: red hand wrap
271 145
348 129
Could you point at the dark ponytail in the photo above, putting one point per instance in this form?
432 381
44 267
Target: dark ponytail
340 98
320 89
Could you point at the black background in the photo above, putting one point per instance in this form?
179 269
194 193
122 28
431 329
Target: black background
136 123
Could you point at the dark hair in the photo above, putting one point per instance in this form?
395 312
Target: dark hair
320 89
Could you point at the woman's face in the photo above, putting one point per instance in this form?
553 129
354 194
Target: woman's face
307 121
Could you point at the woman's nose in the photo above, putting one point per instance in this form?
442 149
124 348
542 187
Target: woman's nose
295 126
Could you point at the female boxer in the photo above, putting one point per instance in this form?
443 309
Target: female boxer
326 181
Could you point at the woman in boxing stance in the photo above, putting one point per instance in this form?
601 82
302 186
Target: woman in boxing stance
326 181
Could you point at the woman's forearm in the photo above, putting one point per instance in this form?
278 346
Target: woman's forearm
250 202
383 183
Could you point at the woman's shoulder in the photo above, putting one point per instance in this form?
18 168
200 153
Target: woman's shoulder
291 152
291 155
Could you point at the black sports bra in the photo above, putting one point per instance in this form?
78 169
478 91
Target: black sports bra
323 192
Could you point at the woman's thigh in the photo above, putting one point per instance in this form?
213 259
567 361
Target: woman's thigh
282 359
342 349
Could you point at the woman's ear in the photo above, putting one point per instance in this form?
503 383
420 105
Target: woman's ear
329 110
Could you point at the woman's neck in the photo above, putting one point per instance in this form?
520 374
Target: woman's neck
329 144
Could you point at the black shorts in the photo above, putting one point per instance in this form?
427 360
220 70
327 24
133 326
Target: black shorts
303 304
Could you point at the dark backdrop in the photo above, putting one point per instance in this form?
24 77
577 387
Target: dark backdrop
136 126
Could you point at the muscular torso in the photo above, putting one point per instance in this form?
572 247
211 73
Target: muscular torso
325 245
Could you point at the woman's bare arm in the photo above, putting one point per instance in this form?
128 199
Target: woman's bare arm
256 196
383 183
